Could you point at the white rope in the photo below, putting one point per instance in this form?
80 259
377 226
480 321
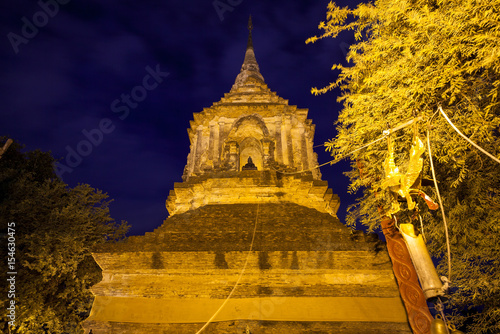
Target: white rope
388 132
440 203
239 278
422 227
334 161
401 126
466 138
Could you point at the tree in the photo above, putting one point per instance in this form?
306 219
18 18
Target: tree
409 59
55 229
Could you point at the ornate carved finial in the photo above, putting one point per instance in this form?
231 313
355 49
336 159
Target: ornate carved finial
250 27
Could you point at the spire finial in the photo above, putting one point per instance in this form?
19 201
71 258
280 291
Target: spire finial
250 27
250 68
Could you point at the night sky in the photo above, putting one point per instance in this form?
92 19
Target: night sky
70 72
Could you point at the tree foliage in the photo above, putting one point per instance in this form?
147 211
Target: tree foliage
56 228
409 58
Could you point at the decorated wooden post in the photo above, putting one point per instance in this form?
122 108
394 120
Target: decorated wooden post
413 297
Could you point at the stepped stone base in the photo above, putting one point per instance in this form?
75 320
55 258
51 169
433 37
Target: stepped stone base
255 327
306 273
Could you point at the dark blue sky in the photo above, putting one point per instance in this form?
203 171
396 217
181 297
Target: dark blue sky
67 68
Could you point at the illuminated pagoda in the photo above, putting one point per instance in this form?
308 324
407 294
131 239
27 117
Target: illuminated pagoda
252 243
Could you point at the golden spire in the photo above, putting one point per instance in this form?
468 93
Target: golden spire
250 27
250 68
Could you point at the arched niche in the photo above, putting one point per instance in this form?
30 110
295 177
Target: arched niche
248 126
248 132
251 147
